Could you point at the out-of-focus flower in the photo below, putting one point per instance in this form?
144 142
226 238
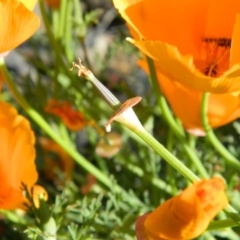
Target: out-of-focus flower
195 51
38 192
52 164
109 145
53 3
17 157
185 216
18 23
72 118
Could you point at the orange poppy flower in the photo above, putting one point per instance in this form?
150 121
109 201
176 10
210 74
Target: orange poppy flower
190 213
194 45
62 160
73 119
18 23
16 157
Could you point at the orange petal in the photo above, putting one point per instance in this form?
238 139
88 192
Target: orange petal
190 212
17 24
223 108
139 227
181 69
221 18
180 23
29 4
235 49
73 119
16 157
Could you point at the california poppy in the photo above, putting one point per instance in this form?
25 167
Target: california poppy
185 216
18 23
17 157
195 48
72 118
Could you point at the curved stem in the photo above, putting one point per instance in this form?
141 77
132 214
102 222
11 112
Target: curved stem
162 101
230 159
166 155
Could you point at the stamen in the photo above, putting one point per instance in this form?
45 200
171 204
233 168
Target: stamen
214 56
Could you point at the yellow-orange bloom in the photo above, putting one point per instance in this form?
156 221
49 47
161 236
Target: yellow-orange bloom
18 23
185 216
17 157
195 48
73 119
38 192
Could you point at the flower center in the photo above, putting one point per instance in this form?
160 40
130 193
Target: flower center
214 56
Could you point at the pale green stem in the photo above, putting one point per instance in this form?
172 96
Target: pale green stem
166 155
170 172
230 159
65 135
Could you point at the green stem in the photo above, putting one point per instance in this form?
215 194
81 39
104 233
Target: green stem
49 33
166 155
68 33
84 163
170 174
230 159
85 52
62 20
175 127
162 101
220 224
